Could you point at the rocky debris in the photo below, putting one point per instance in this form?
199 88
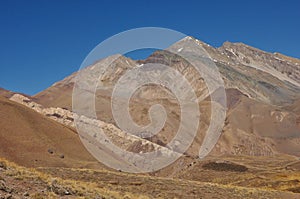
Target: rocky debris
59 189
26 194
27 102
50 151
62 156
60 115
139 147
7 196
118 137
4 187
3 165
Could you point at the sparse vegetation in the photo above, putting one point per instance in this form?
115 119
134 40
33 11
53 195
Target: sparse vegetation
40 185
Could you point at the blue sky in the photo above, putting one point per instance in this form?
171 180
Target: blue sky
44 41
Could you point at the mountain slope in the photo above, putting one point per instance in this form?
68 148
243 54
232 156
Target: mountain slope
31 139
60 93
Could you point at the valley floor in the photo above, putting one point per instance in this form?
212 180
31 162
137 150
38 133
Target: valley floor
263 178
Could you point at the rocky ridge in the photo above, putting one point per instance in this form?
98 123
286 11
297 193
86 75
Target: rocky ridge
122 139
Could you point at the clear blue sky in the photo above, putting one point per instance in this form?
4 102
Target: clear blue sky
44 41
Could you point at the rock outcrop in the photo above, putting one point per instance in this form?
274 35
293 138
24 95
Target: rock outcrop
115 135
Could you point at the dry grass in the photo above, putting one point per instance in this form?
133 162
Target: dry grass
59 187
161 187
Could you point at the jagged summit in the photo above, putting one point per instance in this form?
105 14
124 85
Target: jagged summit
190 38
246 68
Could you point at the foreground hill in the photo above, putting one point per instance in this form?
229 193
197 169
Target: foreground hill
30 139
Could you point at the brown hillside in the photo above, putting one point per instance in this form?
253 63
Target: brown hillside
33 140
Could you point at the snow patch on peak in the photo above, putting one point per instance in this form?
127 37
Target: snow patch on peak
187 38
179 50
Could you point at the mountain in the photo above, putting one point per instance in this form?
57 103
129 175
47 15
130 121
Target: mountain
256 155
261 88
267 77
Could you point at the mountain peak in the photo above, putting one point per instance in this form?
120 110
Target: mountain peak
199 42
240 46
